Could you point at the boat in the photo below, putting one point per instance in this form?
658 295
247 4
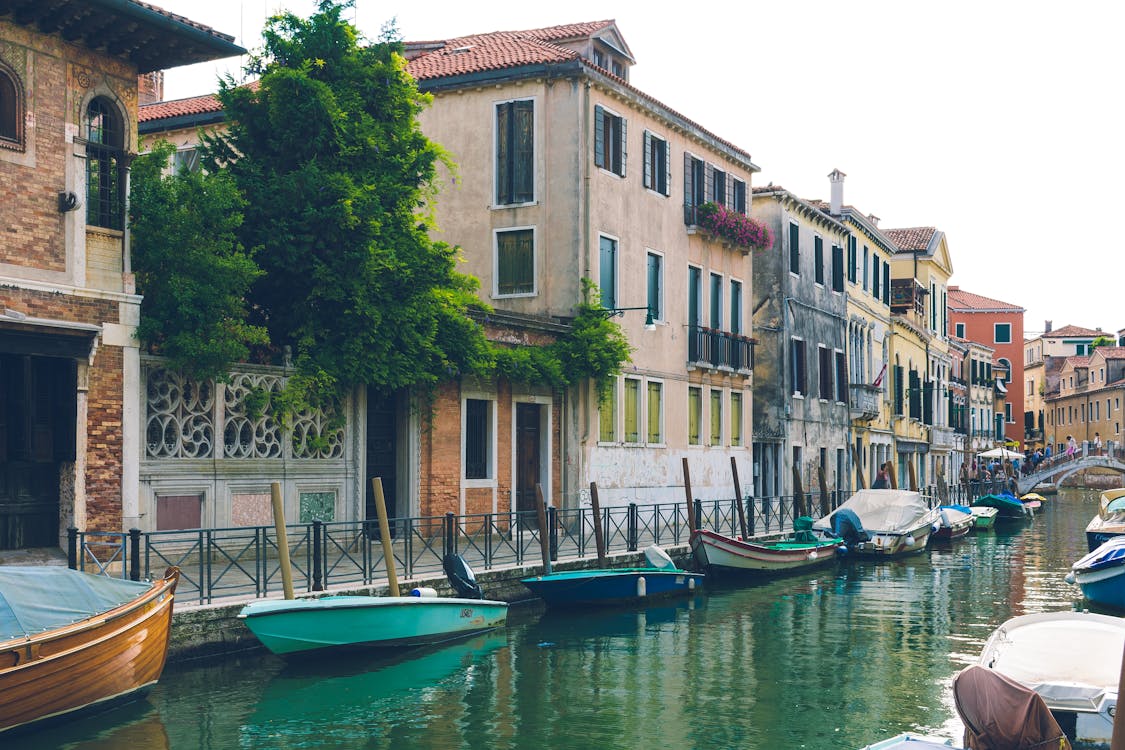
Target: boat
883 523
1110 520
911 741
956 521
72 642
607 586
998 712
1008 506
1071 659
297 626
984 517
1033 497
1101 574
804 548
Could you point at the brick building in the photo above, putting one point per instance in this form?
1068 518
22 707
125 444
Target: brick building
70 431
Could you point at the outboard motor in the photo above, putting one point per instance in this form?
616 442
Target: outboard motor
461 577
847 526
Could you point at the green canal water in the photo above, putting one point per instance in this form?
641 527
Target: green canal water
835 659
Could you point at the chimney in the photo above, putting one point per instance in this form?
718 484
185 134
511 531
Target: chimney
873 219
837 180
150 87
1046 326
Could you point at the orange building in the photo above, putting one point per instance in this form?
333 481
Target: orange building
998 325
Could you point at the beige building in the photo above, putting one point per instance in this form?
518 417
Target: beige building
1044 357
1089 402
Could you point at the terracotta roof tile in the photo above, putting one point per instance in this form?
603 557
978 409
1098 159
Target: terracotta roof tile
1077 362
959 299
1069 330
911 238
1111 352
196 105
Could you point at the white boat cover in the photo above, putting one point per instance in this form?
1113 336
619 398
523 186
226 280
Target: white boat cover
38 598
883 511
1070 658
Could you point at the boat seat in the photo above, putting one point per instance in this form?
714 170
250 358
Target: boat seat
802 529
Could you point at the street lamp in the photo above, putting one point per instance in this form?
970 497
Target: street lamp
611 312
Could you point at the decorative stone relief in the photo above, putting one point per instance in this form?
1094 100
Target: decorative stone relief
251 433
251 509
318 506
179 416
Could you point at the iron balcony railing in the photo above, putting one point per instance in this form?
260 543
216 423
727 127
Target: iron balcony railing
717 349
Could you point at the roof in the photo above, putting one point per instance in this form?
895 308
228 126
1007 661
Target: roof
1077 362
149 37
959 299
912 238
1069 330
1111 352
496 51
196 105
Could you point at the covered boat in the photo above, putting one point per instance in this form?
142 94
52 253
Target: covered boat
1101 574
293 626
890 522
1071 659
1110 520
1008 506
72 642
804 548
956 521
911 741
998 712
984 517
607 586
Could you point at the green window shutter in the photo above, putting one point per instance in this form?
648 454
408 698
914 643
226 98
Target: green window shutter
621 147
523 177
608 252
503 128
818 260
837 268
599 136
886 284
646 178
654 405
689 191
666 148
794 249
708 183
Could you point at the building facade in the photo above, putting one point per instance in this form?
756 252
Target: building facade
1044 357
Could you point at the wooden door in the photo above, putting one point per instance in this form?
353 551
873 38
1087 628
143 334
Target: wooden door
382 452
528 458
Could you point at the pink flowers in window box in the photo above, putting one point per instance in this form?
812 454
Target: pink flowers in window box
733 227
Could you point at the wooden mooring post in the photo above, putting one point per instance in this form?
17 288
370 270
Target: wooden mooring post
599 534
738 497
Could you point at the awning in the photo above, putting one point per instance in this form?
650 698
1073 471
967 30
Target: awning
20 334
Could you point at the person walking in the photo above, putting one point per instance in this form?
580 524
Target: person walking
1097 444
1071 446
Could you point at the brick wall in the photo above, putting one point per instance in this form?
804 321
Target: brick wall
440 466
103 436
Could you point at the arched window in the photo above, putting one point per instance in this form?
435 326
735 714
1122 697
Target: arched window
1007 367
11 109
105 171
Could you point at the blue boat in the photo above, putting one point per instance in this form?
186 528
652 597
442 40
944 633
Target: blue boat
911 741
1101 574
1010 507
608 586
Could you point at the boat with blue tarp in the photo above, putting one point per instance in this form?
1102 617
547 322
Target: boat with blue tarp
1101 574
1110 519
608 586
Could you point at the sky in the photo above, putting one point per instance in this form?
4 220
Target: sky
996 122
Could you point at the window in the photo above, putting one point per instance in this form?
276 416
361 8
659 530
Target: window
599 59
818 260
739 195
841 378
735 306
656 286
824 358
11 109
933 307
609 141
695 294
837 268
719 186
875 276
1008 413
716 417
695 187
618 70
851 259
655 412
105 168
185 160
797 366
959 330
1080 350
1002 333
632 410
716 319
658 167
735 418
515 262
607 415
866 254
695 415
794 249
515 152
478 439
887 283
608 271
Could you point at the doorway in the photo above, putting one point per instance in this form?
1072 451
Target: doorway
382 453
529 457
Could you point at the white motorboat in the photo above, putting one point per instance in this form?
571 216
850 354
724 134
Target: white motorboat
883 523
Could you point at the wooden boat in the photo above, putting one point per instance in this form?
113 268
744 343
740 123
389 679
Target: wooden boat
1008 506
1032 497
294 626
73 642
984 517
882 523
608 586
956 521
1101 574
804 548
1071 659
1110 520
911 741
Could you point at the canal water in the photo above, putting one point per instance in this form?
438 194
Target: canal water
835 659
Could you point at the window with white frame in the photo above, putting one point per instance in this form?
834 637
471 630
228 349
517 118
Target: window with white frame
632 409
515 152
824 362
655 286
607 281
655 412
716 417
477 433
738 197
716 318
735 306
1002 333
695 415
607 414
515 261
959 330
735 418
719 186
818 260
658 166
609 140
797 366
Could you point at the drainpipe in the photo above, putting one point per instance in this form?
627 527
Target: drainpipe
585 391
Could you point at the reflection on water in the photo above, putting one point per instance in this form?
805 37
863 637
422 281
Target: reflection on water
831 660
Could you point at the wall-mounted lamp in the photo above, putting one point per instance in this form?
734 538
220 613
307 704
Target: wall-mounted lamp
650 325
68 202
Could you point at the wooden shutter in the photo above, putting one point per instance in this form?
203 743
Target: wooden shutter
886 283
689 190
708 183
523 175
646 178
667 148
599 136
503 144
621 147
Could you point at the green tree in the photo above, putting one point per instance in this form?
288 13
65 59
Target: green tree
1101 341
190 267
337 176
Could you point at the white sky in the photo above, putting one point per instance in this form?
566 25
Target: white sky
995 121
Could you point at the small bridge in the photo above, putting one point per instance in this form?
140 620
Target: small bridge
1057 469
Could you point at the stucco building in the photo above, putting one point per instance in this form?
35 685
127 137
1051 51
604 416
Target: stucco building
1044 357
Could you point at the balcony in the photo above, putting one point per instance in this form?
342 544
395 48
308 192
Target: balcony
720 350
941 438
1031 436
907 295
864 400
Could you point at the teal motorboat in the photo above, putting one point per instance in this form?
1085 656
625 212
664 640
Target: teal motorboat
291 626
1008 506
